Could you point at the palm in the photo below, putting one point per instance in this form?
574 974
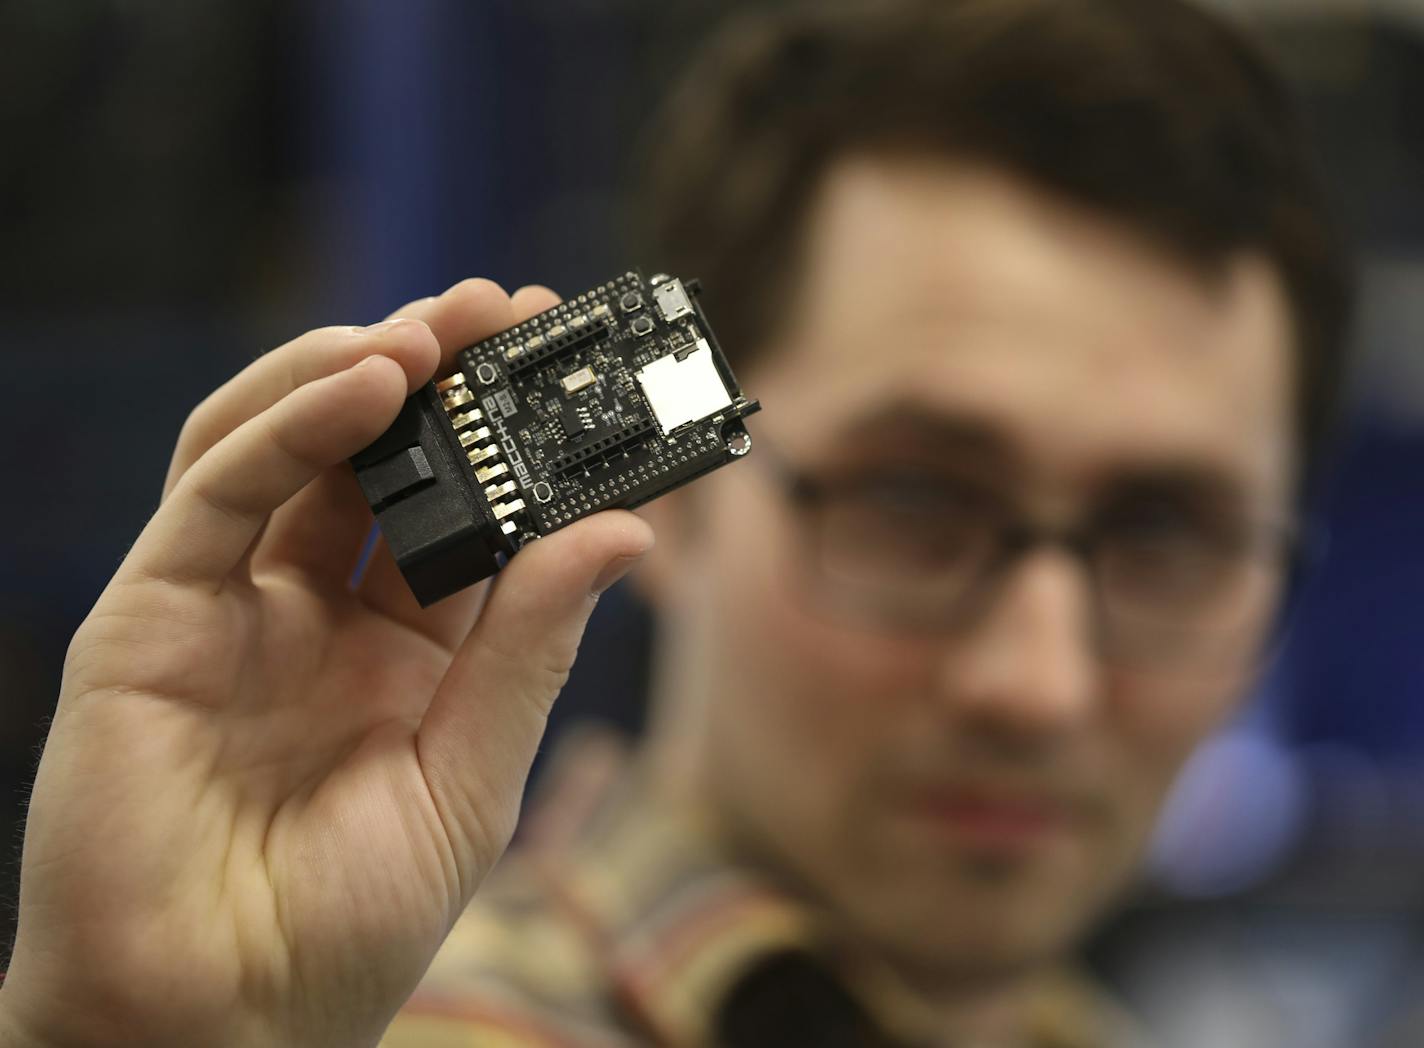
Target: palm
269 794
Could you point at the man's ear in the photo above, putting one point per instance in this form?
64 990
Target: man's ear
662 577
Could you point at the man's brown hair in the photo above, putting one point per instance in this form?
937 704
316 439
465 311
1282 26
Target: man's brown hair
1155 113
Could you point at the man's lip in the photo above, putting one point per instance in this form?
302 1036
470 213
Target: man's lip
991 819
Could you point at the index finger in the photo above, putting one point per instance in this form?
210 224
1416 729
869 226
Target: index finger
314 355
469 311
204 530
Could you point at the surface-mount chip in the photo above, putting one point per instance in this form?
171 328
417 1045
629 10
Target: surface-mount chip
594 404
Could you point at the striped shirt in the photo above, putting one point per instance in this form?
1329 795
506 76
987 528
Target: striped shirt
616 922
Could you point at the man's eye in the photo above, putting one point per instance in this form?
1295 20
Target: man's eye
927 523
923 496
1167 527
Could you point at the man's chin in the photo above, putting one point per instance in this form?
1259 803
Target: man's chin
980 914
975 946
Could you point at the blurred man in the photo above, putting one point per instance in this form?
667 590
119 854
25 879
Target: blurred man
1047 324
1044 318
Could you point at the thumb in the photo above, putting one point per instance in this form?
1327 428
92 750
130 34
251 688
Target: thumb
479 736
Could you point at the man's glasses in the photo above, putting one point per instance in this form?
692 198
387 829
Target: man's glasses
1176 579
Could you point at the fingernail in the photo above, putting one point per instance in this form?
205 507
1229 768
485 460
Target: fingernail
613 571
385 325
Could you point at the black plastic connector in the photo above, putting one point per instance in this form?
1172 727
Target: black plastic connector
431 512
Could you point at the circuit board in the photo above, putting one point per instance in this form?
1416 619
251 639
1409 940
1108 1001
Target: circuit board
607 400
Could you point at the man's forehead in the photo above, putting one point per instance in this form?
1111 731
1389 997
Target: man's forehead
979 300
912 239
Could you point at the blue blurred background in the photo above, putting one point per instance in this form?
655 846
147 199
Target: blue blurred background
184 185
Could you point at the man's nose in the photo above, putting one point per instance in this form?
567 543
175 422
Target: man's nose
1028 665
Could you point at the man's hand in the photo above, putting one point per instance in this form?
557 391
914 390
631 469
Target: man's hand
266 797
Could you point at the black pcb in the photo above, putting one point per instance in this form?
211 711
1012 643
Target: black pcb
607 400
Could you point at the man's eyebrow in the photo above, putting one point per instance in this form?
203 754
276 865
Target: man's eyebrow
970 437
929 429
1172 478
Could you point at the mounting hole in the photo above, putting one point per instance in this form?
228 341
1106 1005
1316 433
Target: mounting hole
739 441
486 373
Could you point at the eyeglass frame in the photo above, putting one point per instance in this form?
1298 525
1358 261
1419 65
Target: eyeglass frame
1301 545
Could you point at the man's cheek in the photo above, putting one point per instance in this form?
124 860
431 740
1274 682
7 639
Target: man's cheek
812 692
1164 718
1158 724
815 651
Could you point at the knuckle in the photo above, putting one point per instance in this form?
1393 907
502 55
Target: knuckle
198 427
476 288
300 356
197 484
324 351
403 325
331 332
280 439
409 334
542 670
410 309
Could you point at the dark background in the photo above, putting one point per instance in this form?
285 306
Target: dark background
185 185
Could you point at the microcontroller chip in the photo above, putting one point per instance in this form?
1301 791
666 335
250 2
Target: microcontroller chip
572 423
595 404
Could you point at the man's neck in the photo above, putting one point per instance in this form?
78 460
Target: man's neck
946 1009
938 1006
